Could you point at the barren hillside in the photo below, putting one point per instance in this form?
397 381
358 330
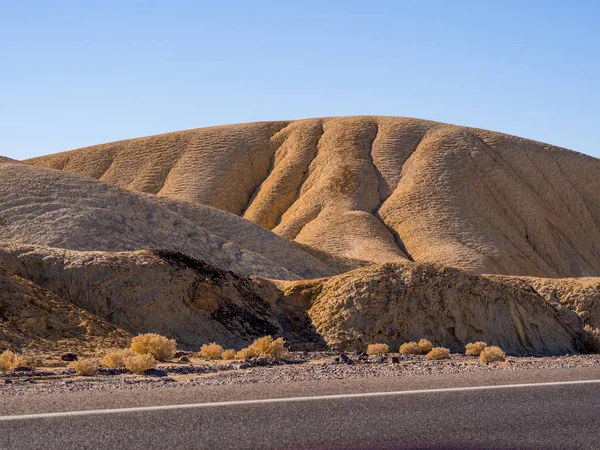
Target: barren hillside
380 189
50 208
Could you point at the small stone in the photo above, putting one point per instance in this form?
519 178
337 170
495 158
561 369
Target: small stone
395 360
7 381
245 365
184 359
23 369
69 357
155 373
262 362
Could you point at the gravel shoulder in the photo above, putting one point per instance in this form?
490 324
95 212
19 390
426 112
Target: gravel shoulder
298 367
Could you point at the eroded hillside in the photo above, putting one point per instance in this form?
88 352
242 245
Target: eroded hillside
380 189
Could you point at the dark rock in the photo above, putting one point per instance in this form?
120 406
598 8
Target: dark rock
69 357
7 381
184 359
262 362
23 369
395 360
180 354
360 353
345 359
155 373
245 365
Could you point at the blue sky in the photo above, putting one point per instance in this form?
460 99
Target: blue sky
86 72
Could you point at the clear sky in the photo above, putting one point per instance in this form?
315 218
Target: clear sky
77 73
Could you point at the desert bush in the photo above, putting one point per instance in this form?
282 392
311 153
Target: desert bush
378 349
270 348
139 363
438 353
247 353
591 339
425 346
491 354
211 351
85 367
410 348
161 347
9 360
475 348
228 354
115 359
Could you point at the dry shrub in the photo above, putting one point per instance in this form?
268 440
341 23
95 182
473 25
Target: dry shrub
378 349
228 354
211 351
491 354
9 360
591 339
161 347
139 363
85 367
247 353
475 348
270 348
425 346
115 359
438 353
410 348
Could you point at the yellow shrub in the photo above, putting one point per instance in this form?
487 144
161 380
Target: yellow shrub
115 359
139 363
9 360
270 348
85 367
475 348
160 347
438 353
410 348
228 354
491 354
425 346
247 353
211 351
378 349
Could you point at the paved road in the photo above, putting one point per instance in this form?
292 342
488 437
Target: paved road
406 412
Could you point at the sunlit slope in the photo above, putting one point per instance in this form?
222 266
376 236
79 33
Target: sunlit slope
381 189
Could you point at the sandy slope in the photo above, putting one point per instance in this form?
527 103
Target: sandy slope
378 189
51 208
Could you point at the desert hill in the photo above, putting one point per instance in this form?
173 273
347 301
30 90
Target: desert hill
55 209
331 232
378 189
196 303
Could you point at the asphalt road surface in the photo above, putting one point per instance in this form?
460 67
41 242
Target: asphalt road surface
529 409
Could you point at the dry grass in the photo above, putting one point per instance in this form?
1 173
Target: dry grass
425 346
161 347
475 348
378 349
491 354
410 348
9 360
247 353
211 351
85 367
139 363
228 354
115 359
438 353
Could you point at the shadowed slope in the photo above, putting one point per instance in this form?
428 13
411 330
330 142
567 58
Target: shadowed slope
381 189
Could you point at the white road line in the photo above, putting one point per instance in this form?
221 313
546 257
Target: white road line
286 400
